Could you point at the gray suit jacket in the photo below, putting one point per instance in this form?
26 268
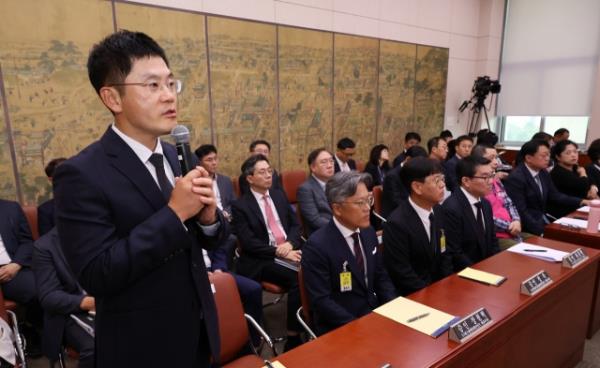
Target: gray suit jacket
314 207
226 190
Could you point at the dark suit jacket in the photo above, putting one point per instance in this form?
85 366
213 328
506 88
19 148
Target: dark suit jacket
130 251
226 190
245 187
374 171
314 208
593 174
252 233
336 166
399 159
409 258
450 172
466 244
525 194
394 192
322 258
45 213
569 183
15 233
57 290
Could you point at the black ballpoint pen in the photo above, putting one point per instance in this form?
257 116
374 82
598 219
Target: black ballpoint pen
268 364
535 250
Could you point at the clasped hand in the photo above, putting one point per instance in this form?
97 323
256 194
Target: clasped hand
193 196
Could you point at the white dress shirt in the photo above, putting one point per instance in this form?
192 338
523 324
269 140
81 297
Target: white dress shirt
261 205
423 215
473 200
4 257
347 234
343 165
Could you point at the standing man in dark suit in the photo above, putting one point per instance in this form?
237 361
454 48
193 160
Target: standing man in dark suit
410 139
530 187
346 148
414 244
260 147
314 207
462 148
133 234
45 210
343 271
268 230
469 223
60 296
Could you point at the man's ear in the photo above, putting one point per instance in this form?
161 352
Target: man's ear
111 99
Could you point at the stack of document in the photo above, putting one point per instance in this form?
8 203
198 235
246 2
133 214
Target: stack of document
573 222
584 209
417 316
536 251
481 276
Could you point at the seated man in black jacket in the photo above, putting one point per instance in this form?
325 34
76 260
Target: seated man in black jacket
46 209
61 296
413 238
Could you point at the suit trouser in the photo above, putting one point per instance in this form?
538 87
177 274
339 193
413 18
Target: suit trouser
288 279
81 341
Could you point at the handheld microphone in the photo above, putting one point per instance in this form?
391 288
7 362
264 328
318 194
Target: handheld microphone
181 135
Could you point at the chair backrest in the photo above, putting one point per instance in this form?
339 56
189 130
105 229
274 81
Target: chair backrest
233 329
32 219
304 298
291 180
235 180
377 194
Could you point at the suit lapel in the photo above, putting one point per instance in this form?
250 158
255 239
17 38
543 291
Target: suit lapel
415 223
468 209
124 160
255 208
345 253
317 189
533 184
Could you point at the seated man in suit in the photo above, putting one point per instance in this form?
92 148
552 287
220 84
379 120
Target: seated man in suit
346 148
260 147
46 210
469 223
530 187
313 204
60 296
267 229
410 139
414 248
343 272
438 151
462 148
16 277
394 191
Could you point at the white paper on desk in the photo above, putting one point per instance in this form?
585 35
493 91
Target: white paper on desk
573 222
584 209
550 255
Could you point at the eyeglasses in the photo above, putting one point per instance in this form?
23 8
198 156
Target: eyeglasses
325 161
173 85
264 172
367 202
439 179
486 178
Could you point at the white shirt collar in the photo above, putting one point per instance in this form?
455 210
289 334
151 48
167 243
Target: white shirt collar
423 213
321 182
141 151
471 198
258 196
532 171
346 233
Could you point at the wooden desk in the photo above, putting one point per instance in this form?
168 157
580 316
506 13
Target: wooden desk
546 330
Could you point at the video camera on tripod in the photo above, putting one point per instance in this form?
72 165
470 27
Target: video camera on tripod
482 87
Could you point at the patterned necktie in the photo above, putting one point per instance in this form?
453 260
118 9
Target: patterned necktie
272 222
432 233
165 185
358 253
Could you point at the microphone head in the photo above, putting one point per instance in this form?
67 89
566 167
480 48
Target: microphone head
180 134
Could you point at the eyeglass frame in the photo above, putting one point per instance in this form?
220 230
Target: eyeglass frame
149 87
370 201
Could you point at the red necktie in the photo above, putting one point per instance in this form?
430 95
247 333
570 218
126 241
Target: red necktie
272 222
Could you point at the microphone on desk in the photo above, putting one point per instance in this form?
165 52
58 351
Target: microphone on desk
181 135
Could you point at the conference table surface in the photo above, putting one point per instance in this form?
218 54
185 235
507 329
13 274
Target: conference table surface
547 329
573 235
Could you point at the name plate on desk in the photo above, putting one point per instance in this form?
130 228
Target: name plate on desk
574 259
469 326
535 283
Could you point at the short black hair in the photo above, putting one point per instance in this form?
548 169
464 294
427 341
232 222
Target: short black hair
248 165
433 143
487 138
412 135
560 131
468 166
593 151
376 152
418 169
462 138
446 134
312 156
344 143
560 147
257 142
531 147
479 150
416 151
111 60
542 135
205 150
49 169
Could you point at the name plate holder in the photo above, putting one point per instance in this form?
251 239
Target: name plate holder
469 326
535 283
574 258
